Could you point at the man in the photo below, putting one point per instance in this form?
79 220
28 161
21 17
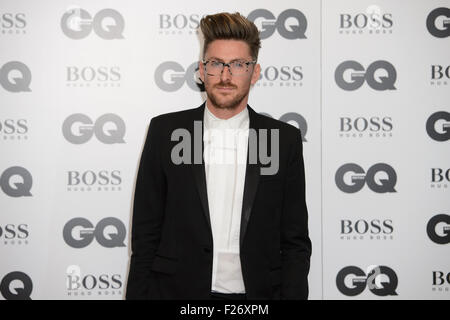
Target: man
209 229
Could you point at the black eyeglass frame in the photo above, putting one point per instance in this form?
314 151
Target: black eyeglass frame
227 64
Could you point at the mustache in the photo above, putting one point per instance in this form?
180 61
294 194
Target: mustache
225 85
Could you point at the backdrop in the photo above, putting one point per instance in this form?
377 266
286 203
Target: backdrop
368 85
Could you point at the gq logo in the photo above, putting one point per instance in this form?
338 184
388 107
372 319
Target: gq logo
19 188
77 24
88 232
270 23
358 75
170 76
359 177
88 128
441 120
443 235
297 119
352 281
10 288
20 79
438 17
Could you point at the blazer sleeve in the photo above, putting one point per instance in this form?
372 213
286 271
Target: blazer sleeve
295 241
148 214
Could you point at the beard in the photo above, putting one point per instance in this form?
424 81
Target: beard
229 104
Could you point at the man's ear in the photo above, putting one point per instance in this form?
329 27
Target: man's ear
201 70
256 73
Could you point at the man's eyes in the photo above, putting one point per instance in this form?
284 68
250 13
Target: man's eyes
238 64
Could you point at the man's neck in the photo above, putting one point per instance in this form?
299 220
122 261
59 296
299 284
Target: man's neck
225 114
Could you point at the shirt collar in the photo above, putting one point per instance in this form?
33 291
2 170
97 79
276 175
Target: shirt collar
238 121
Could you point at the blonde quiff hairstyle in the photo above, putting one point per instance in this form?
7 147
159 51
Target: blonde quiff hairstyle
233 26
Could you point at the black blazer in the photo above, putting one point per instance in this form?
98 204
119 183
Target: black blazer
172 244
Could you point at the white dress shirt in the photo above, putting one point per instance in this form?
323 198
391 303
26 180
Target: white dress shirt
225 154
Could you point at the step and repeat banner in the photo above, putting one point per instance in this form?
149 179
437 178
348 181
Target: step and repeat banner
366 82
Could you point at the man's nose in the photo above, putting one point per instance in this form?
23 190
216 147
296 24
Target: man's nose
226 73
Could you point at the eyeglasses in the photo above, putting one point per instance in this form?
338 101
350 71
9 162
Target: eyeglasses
236 68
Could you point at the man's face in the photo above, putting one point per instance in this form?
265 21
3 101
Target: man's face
225 90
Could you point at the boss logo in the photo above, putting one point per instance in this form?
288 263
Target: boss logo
380 280
86 232
85 76
100 180
14 233
284 76
373 20
14 129
374 126
10 21
88 128
440 177
270 23
375 229
179 22
358 178
77 24
440 74
359 75
93 282
441 278
79 284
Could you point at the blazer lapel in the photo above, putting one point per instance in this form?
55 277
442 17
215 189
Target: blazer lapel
199 168
251 180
